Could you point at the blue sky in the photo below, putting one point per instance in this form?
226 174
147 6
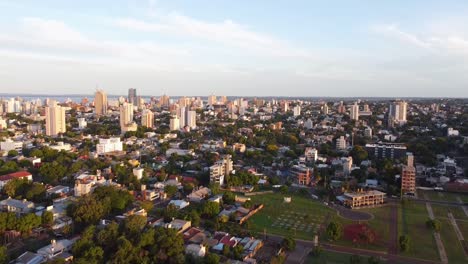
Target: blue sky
296 48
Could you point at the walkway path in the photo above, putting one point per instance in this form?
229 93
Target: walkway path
464 207
440 245
459 234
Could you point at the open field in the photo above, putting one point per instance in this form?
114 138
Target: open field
413 218
441 211
329 257
379 223
442 196
453 247
301 218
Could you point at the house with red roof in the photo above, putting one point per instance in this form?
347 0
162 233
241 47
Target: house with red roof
4 179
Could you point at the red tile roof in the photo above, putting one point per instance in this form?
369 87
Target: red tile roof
17 175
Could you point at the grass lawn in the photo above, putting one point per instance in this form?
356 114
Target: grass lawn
453 247
413 218
463 225
380 224
301 218
442 196
441 211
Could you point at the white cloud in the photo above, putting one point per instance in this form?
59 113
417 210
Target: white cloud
50 37
227 32
434 41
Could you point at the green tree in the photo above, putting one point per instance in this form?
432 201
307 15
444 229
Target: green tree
334 230
194 218
47 218
210 209
433 224
12 153
3 255
288 243
229 198
284 189
87 210
168 246
170 190
133 225
317 251
126 252
404 242
211 258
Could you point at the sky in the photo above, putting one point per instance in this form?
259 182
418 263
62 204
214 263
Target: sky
347 48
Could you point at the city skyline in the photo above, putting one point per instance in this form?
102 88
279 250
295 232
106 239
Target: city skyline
345 49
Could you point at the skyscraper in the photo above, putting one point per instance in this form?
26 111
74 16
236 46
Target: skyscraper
55 119
164 101
132 96
191 120
297 110
325 109
212 99
354 112
408 175
182 116
126 117
397 112
147 118
100 103
174 123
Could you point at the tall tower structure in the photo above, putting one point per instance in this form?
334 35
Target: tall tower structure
126 115
354 112
55 119
100 103
147 118
132 96
408 175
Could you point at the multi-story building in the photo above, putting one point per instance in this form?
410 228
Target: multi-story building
132 96
164 101
297 110
82 124
362 198
397 112
55 119
100 103
311 154
107 145
212 99
191 119
408 176
347 165
341 108
354 112
147 118
325 109
126 118
220 169
301 174
174 123
16 206
10 144
386 150
341 143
